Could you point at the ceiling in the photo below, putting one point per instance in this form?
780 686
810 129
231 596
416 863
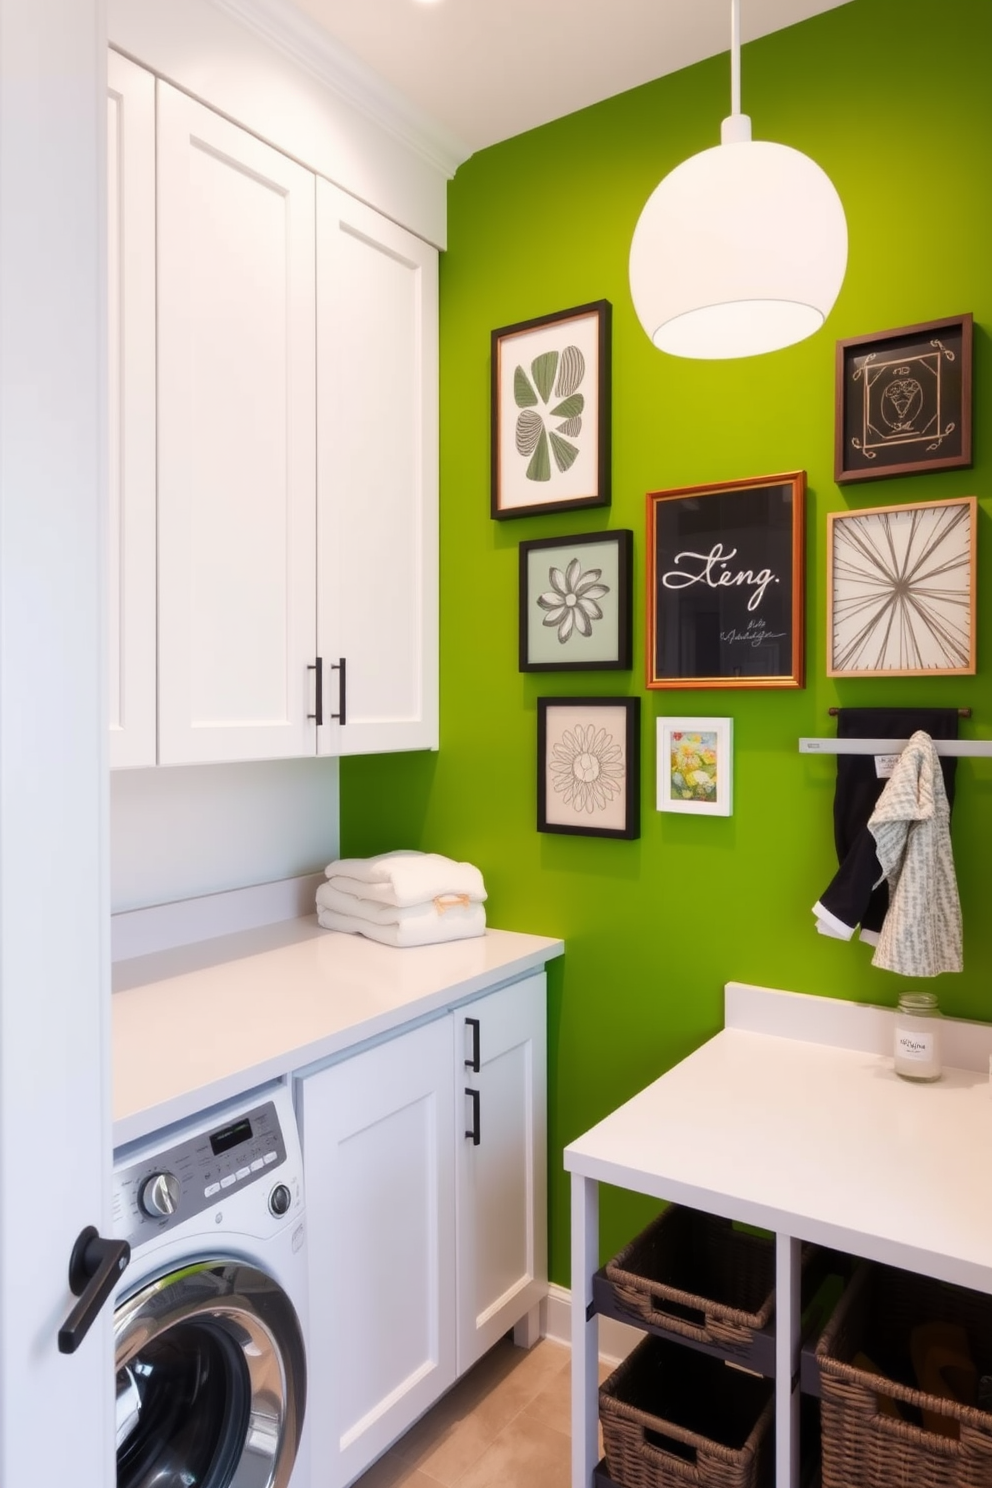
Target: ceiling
484 70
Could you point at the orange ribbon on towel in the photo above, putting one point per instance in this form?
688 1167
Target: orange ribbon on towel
445 902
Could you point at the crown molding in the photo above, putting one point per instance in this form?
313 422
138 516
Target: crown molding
284 27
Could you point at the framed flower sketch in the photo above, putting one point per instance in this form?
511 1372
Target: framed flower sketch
551 412
588 766
575 602
901 590
903 401
725 584
696 765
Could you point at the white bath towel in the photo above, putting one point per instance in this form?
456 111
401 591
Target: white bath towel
921 933
422 925
404 877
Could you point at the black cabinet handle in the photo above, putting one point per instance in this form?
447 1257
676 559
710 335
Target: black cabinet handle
476 1129
318 700
95 1267
341 666
475 1063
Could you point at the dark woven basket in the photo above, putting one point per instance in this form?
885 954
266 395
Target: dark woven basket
866 1448
694 1274
672 1417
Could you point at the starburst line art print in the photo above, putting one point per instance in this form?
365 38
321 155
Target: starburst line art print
902 590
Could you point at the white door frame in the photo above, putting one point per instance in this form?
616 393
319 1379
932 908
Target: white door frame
56 1422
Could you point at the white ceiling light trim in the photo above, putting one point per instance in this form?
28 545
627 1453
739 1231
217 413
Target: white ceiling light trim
282 25
742 248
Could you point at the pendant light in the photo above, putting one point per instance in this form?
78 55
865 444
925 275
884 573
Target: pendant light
742 248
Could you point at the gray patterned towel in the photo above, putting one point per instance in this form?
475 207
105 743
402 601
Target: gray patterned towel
921 933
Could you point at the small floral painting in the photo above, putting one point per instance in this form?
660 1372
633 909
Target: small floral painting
588 772
695 765
575 602
551 413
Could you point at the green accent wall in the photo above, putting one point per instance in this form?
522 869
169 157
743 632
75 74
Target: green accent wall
894 101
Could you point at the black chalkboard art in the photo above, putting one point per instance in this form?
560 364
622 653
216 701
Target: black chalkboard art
725 584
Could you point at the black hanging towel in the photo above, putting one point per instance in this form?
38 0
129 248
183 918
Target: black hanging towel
858 893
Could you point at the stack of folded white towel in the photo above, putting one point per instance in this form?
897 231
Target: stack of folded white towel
403 898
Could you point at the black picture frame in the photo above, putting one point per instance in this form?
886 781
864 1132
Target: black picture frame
590 629
550 412
904 401
589 766
726 584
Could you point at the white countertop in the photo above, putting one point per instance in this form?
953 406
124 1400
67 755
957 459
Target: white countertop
820 1142
200 1024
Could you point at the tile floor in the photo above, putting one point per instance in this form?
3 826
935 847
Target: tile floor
505 1423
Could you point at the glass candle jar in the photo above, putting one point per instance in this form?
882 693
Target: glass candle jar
917 1046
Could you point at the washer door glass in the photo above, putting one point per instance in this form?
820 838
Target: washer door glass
211 1381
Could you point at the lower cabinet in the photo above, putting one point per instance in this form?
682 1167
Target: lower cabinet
425 1162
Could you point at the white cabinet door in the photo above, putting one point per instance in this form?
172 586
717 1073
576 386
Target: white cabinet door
379 1166
131 377
236 405
501 1191
377 479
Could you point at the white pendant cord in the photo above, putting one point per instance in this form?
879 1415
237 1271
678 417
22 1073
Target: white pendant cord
735 56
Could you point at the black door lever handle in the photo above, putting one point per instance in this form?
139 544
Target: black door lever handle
95 1267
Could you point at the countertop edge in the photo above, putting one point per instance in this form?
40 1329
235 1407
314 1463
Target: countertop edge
200 1096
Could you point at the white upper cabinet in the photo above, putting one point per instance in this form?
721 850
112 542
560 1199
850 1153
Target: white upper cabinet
273 366
236 442
376 480
131 447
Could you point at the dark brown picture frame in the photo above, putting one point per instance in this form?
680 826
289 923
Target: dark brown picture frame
726 584
903 401
550 412
590 629
587 774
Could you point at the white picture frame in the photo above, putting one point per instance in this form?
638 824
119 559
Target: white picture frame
695 766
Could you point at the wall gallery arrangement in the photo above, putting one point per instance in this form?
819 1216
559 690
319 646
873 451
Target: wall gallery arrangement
725 593
551 412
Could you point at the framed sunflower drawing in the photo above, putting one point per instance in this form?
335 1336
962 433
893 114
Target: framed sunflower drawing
551 412
575 607
588 766
696 765
901 590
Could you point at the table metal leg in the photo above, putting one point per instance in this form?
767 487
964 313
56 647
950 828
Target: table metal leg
788 1317
585 1331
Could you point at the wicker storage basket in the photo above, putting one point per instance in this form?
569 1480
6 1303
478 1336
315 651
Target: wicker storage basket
672 1417
863 1445
694 1274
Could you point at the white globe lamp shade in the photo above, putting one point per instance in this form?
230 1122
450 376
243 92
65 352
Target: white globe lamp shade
740 250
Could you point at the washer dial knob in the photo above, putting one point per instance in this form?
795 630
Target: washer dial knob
160 1195
280 1199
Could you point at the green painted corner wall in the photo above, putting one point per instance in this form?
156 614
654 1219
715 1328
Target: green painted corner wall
895 104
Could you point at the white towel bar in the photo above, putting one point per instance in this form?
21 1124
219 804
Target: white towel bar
961 748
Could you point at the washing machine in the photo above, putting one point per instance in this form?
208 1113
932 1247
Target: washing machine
210 1316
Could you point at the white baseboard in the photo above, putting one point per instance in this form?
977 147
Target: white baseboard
616 1340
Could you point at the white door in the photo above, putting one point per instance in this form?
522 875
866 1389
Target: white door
236 439
131 376
377 479
56 1425
501 1191
379 1164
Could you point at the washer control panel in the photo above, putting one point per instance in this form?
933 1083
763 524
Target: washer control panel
173 1184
